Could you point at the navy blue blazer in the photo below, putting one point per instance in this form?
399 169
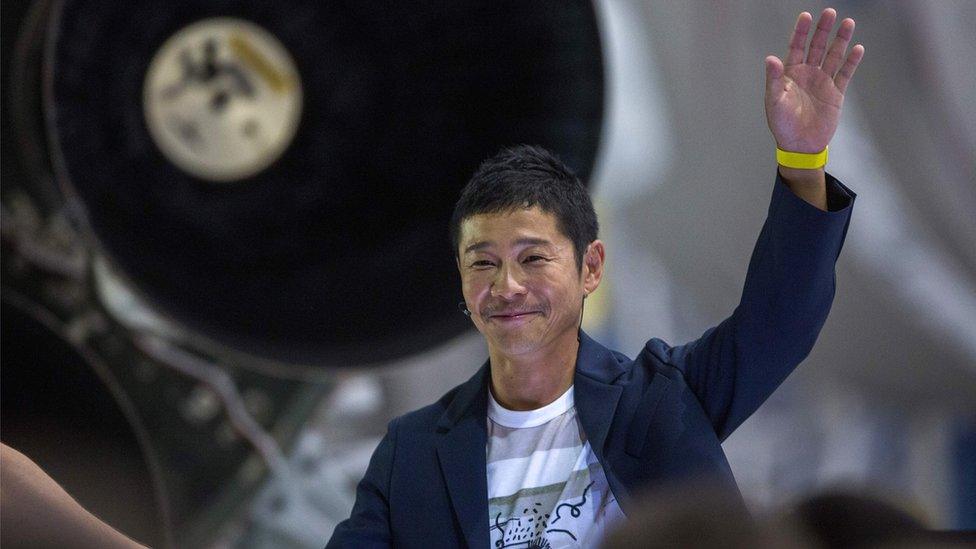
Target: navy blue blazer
660 417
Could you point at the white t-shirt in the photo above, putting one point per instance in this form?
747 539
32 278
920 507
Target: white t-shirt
545 486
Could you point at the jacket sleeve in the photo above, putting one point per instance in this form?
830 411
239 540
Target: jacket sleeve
788 291
369 523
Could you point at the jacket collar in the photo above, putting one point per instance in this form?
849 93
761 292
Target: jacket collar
596 361
465 402
595 394
461 450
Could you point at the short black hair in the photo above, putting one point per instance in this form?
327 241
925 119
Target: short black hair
524 176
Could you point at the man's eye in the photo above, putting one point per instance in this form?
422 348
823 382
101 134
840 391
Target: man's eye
482 263
533 258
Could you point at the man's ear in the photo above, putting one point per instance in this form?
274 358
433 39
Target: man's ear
593 260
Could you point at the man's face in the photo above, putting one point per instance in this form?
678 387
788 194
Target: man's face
520 280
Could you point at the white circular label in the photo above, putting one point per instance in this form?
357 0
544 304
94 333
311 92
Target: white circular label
222 99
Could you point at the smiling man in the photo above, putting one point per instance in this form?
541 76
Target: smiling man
525 232
546 444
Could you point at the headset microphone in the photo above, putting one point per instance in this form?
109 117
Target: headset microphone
464 309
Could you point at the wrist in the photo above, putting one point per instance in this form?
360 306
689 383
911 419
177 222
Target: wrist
802 176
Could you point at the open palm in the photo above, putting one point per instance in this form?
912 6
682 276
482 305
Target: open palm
804 96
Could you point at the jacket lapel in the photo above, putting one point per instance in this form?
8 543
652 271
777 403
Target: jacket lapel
595 404
596 400
596 396
461 452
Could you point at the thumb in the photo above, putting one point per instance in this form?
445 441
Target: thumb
774 73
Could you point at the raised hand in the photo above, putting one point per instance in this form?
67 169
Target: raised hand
805 94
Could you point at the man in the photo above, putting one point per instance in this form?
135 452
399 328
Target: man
545 445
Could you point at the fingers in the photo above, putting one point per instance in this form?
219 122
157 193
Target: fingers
835 56
798 42
774 72
819 43
833 63
846 72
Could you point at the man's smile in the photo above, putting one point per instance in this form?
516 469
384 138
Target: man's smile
512 317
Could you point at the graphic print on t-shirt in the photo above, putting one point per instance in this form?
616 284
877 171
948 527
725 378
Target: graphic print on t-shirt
545 486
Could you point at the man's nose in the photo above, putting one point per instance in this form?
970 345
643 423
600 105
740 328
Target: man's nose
507 284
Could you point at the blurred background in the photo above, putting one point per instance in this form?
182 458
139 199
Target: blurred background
226 264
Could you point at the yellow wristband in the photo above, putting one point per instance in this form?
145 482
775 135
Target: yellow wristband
801 161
